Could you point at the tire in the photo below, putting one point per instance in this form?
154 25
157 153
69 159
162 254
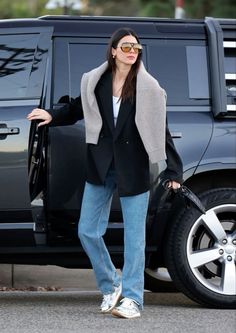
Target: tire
158 282
201 250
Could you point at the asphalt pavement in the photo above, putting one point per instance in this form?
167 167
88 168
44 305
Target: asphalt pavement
75 308
78 311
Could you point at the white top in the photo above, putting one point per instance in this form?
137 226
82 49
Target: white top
116 107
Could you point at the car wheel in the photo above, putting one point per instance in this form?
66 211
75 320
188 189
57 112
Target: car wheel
158 280
201 250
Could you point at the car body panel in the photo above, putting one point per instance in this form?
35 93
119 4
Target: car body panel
175 52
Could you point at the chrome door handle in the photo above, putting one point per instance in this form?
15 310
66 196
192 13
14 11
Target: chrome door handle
4 131
176 135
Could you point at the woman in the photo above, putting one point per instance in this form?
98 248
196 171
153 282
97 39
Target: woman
125 123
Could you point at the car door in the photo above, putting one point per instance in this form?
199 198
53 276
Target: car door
23 61
66 161
180 63
73 56
181 67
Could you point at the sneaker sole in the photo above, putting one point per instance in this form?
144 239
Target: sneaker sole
116 313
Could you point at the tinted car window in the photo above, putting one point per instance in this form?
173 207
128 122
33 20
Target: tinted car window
230 74
79 58
197 72
16 64
230 60
182 71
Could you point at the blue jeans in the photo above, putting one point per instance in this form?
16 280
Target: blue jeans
93 223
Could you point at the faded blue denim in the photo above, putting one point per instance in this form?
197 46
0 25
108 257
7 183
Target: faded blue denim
93 223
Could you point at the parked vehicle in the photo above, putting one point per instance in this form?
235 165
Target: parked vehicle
42 171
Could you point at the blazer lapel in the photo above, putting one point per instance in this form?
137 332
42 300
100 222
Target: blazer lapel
105 95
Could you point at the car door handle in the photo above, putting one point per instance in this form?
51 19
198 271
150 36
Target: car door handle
176 135
4 130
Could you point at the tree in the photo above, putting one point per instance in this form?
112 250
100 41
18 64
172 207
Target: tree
155 8
194 8
114 8
21 8
160 8
9 9
215 8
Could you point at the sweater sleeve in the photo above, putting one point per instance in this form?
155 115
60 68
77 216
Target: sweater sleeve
68 114
174 169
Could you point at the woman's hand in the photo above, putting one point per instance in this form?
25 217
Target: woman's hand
174 185
40 114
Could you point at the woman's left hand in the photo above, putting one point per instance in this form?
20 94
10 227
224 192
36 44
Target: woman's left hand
174 185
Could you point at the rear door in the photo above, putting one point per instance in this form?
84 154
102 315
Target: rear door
180 64
23 61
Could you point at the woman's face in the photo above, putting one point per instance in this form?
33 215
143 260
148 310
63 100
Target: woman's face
126 58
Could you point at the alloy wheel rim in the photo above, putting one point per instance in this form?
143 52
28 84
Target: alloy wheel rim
211 249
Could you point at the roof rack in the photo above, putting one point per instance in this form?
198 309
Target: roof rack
113 18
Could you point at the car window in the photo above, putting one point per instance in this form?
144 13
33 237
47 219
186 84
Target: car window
23 62
182 70
179 66
82 60
72 59
17 64
197 72
230 73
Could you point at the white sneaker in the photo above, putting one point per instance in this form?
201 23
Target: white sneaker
109 301
128 309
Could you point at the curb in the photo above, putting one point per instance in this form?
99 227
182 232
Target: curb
45 277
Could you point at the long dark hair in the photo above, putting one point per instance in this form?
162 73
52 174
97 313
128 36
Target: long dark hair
129 87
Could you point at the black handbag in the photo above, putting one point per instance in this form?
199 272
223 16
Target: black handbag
190 197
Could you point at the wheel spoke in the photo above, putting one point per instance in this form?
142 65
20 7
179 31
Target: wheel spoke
214 226
233 235
228 282
203 257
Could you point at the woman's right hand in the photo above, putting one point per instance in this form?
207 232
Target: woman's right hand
40 114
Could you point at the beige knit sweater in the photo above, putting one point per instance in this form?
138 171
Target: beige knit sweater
150 115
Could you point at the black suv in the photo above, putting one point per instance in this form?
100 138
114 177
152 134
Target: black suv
42 171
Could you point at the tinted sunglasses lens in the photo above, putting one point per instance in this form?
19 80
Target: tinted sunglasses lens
137 49
126 47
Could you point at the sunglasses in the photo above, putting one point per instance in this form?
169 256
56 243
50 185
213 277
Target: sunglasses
127 47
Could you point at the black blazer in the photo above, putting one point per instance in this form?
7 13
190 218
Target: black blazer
119 147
